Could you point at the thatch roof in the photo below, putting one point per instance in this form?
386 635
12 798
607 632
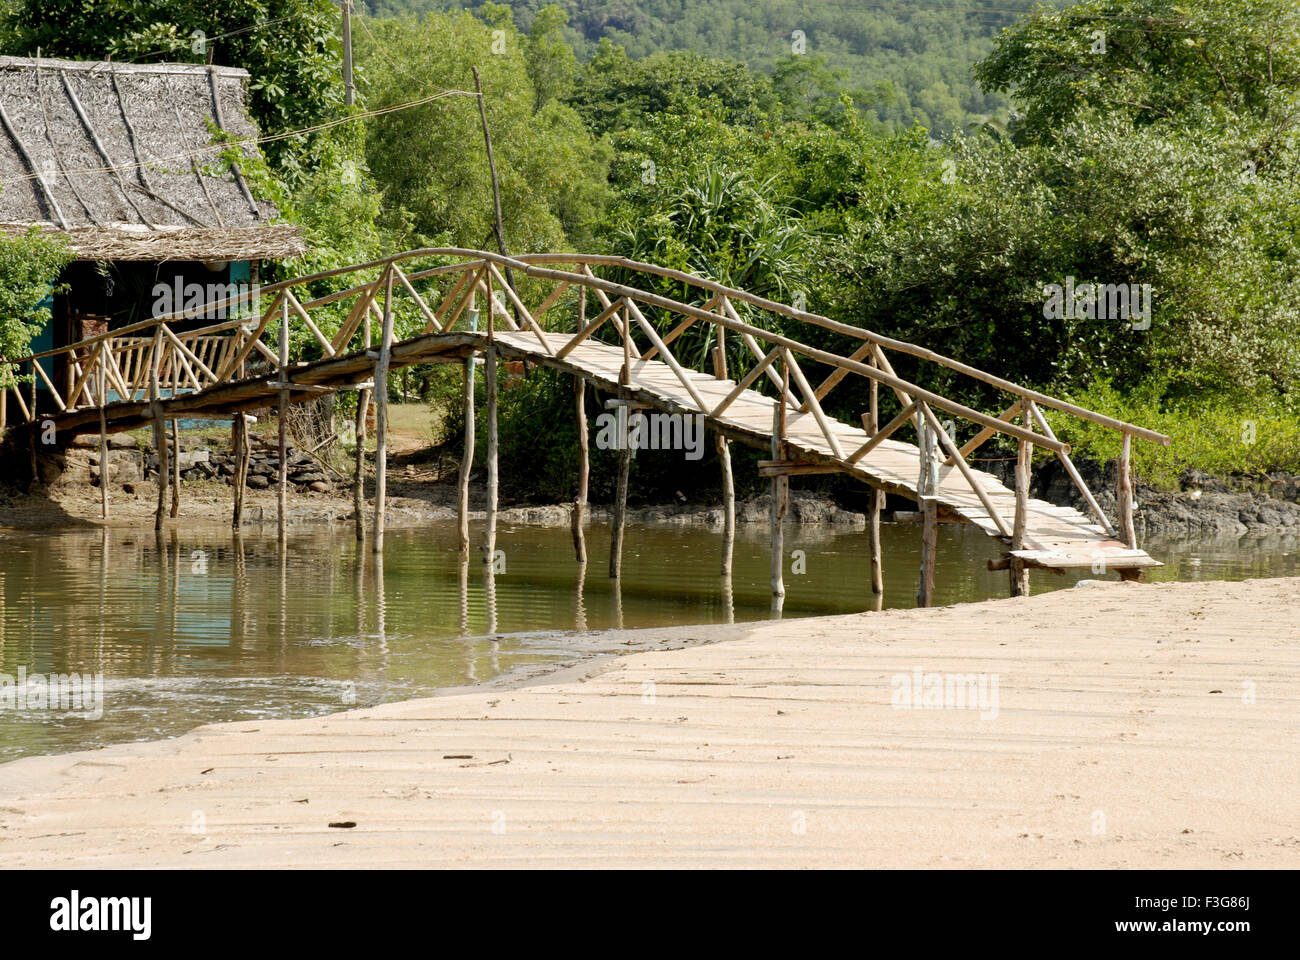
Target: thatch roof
121 159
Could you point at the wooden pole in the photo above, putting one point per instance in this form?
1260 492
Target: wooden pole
105 471
1018 571
381 413
1124 493
584 471
239 448
780 495
723 448
929 513
33 421
349 96
359 465
497 224
728 504
580 605
467 458
176 471
624 413
490 512
877 499
282 415
159 430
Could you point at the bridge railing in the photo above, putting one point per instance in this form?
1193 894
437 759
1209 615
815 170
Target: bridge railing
159 356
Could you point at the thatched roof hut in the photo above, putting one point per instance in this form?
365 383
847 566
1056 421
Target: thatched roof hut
121 159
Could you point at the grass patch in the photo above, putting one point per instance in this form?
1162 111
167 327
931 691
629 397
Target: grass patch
1223 436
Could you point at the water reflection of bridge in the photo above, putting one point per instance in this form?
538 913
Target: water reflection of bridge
616 337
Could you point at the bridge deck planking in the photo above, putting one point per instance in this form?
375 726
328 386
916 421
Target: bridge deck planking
1056 537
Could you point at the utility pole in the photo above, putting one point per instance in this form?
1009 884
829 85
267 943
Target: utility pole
349 94
496 187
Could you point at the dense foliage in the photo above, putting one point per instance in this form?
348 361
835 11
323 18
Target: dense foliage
905 63
27 262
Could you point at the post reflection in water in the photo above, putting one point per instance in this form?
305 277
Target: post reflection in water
616 596
381 606
490 597
359 599
462 583
579 604
196 626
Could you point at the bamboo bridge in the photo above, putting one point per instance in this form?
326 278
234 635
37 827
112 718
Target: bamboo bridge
597 330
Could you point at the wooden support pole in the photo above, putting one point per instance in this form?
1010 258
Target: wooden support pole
780 496
723 448
239 448
31 433
1018 571
877 498
104 469
584 471
490 512
282 416
620 492
176 471
467 458
728 504
381 414
359 466
925 489
159 433
1124 493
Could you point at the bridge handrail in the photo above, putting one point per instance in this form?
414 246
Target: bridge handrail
531 265
536 265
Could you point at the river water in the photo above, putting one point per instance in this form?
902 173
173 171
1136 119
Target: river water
200 626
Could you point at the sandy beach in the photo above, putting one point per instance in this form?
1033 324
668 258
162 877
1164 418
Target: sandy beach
1110 725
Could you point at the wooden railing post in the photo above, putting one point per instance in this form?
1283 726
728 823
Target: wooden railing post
1019 572
1124 492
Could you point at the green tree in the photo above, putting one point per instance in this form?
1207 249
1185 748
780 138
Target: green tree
429 159
29 263
552 65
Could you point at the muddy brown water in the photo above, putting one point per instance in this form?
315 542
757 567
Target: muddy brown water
199 627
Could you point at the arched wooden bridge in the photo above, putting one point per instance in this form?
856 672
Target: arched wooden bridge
618 337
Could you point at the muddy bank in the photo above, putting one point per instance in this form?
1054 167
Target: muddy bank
425 491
